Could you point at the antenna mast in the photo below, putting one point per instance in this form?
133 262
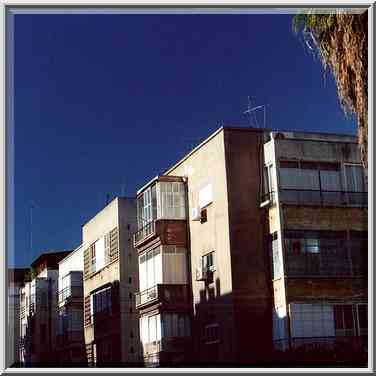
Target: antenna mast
252 110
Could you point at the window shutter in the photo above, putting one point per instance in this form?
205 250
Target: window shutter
114 244
87 263
87 313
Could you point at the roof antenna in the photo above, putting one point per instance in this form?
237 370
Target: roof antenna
252 110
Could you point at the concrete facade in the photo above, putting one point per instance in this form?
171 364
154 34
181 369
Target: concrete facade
70 327
317 219
110 317
39 311
16 281
237 300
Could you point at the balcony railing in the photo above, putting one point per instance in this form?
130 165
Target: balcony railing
323 198
144 232
165 293
70 292
318 264
325 348
166 344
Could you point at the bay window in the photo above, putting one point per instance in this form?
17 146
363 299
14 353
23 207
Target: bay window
163 200
164 325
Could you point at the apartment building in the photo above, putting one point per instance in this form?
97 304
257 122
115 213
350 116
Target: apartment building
316 204
205 215
39 311
71 350
163 299
110 282
17 277
223 280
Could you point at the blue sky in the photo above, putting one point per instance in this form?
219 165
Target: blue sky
103 103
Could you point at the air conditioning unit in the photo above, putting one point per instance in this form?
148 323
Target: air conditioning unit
196 214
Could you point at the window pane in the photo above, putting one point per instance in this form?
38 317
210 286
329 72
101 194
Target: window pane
355 179
152 328
330 180
312 246
158 322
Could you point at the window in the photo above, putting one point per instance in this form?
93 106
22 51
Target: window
269 184
101 303
150 269
175 325
147 207
355 180
208 262
150 328
211 334
203 216
130 280
316 253
276 259
171 203
311 182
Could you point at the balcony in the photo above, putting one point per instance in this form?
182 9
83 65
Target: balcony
69 293
166 344
165 294
323 198
170 231
339 348
146 232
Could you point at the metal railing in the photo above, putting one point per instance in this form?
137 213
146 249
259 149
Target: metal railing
323 198
330 346
147 296
70 292
320 264
167 344
144 232
166 293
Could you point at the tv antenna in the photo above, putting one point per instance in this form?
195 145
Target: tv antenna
251 111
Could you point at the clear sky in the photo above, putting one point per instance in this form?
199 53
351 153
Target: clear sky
103 103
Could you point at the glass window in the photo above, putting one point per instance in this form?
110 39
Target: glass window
101 301
312 246
150 269
355 178
276 259
208 261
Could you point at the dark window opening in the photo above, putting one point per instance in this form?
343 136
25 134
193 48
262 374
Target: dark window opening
203 216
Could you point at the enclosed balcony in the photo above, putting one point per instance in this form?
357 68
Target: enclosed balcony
163 277
165 333
70 288
161 209
164 294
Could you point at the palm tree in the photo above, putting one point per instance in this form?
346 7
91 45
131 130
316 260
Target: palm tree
340 40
